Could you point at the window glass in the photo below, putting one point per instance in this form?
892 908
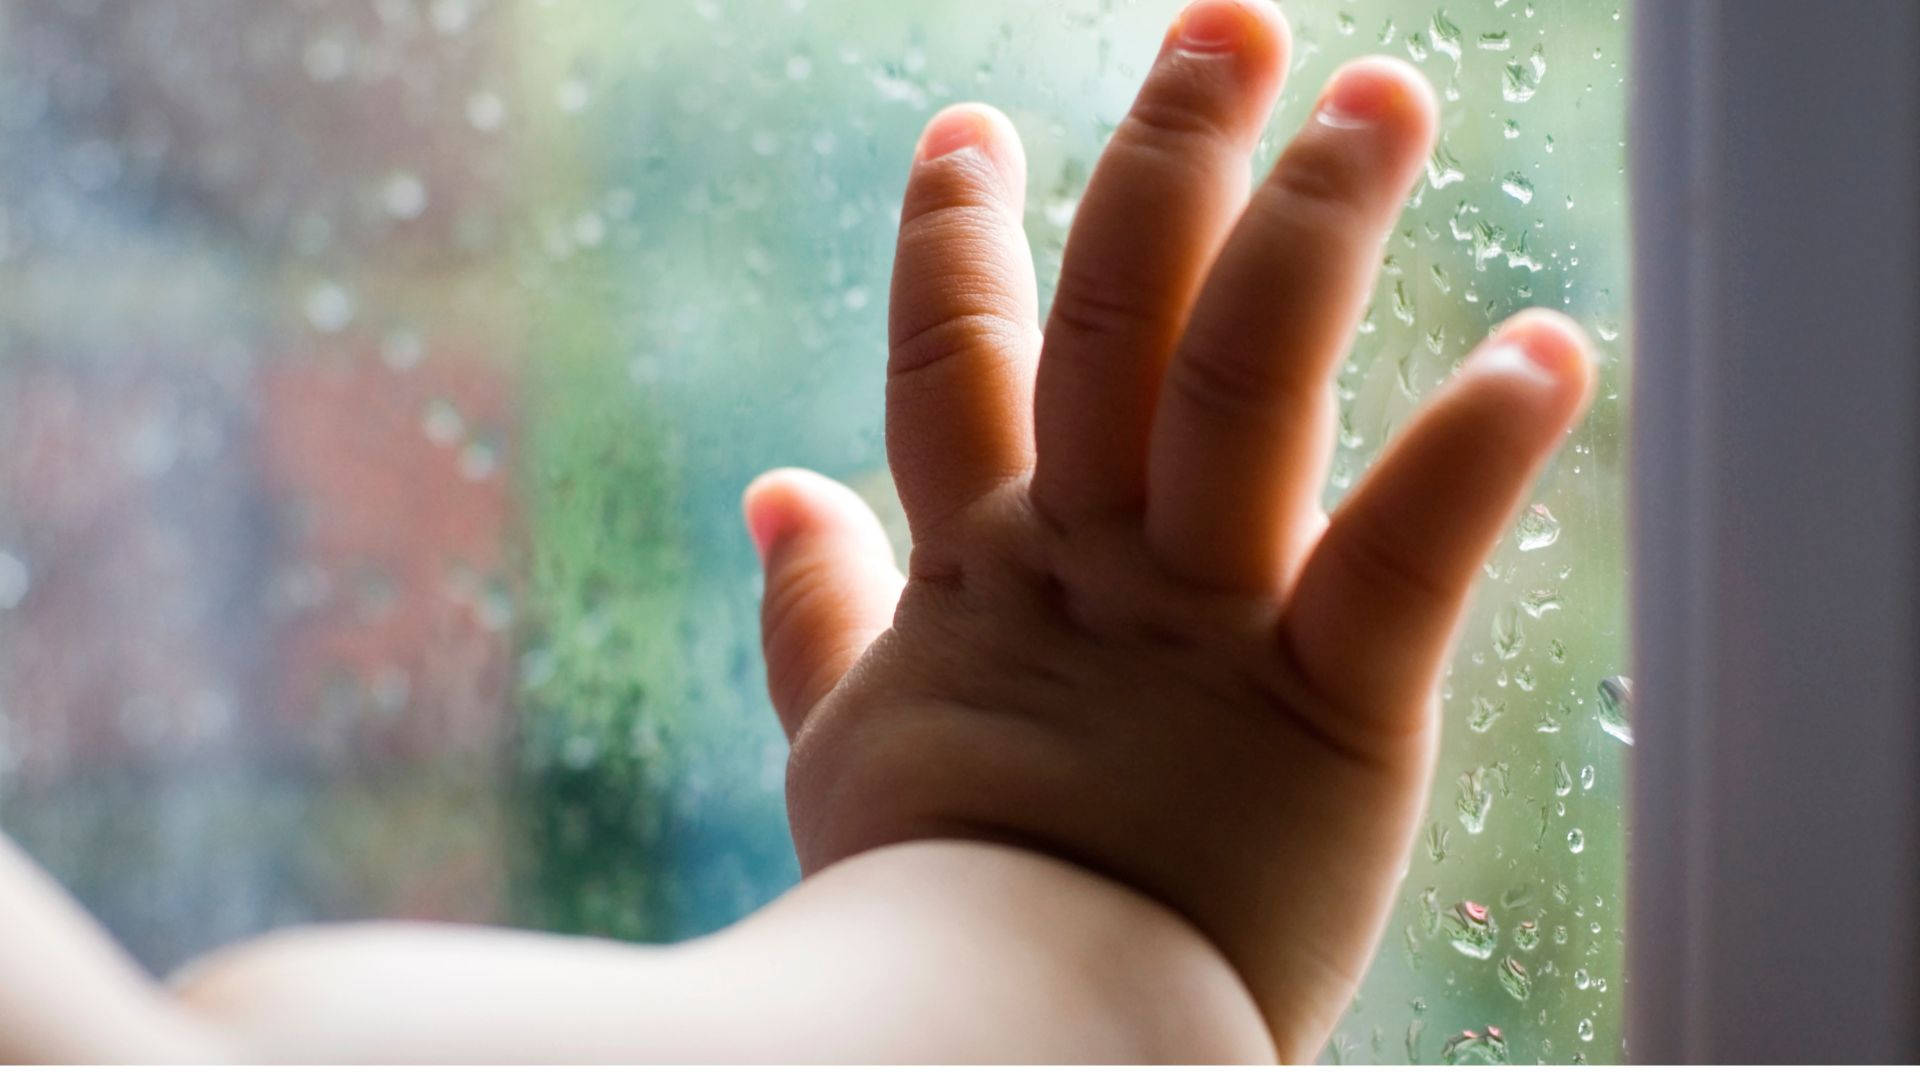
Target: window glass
378 378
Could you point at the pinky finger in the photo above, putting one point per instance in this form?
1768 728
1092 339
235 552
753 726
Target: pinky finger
1371 622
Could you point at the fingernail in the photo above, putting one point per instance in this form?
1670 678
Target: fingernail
1358 97
1213 26
1555 352
764 530
767 520
955 129
1510 359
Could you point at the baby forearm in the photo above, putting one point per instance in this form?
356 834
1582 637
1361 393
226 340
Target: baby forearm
68 994
919 952
937 951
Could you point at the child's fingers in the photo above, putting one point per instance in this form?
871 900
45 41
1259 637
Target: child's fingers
1166 191
1371 621
831 584
965 319
1241 438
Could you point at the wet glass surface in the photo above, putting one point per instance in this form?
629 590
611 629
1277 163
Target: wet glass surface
377 381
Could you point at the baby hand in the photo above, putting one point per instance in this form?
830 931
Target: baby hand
1129 637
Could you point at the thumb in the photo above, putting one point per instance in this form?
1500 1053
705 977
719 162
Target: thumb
831 584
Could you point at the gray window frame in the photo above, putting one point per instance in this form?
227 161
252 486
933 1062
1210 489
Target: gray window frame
1774 870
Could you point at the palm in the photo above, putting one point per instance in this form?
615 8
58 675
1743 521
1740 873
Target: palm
1060 692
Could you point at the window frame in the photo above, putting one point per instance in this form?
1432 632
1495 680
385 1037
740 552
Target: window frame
1774 877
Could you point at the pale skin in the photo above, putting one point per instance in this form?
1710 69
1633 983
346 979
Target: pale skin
1128 763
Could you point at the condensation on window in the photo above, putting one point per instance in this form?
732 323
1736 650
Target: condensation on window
378 378
1508 940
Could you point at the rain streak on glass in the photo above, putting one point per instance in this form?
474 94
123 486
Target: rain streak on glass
1616 707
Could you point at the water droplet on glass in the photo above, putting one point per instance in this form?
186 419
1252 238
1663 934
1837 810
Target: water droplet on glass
1471 929
589 229
579 751
1429 917
1496 41
404 196
1446 36
326 59
571 95
1576 841
1616 707
441 422
1402 304
1443 168
1538 528
1474 1048
1562 779
495 607
1580 979
1585 1030
1474 800
485 110
1482 713
1520 257
478 460
1537 602
1586 777
1514 977
1508 635
1517 186
329 307
1526 936
402 349
1489 241
1519 83
450 16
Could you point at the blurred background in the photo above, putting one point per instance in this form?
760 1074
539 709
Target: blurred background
378 379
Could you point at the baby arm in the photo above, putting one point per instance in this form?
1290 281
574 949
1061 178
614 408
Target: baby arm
937 951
